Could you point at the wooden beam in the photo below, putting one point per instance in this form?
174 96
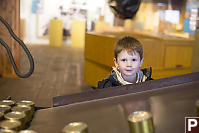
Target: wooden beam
10 11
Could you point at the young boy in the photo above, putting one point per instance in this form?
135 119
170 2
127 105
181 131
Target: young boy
128 59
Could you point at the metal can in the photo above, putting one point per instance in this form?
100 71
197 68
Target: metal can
27 131
5 108
10 125
10 103
25 109
27 103
76 127
20 116
1 115
7 131
197 108
140 122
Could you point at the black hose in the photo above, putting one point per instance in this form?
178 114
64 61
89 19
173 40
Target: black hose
31 61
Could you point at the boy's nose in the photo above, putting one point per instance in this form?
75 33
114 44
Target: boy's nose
129 63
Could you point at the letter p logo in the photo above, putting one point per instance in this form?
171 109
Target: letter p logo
191 125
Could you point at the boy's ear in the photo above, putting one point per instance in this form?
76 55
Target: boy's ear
141 62
115 62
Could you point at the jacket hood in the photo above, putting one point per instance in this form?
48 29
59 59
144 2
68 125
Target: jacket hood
116 75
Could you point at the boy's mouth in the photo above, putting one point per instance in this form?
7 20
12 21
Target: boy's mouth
129 70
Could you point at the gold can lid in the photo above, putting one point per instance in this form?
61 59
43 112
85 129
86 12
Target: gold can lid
6 131
4 108
15 115
138 116
75 127
25 102
10 124
21 108
27 131
7 102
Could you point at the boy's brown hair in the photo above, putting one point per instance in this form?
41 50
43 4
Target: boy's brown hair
129 44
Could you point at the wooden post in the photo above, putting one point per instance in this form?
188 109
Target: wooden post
9 10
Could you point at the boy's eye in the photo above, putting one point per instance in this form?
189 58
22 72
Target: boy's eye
133 59
123 60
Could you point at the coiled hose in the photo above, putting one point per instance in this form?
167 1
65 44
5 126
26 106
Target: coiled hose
31 61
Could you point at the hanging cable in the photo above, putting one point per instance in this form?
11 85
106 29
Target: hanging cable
31 61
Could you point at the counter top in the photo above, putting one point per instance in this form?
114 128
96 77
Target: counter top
139 34
168 105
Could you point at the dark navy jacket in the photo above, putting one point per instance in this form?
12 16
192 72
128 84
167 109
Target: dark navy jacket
112 80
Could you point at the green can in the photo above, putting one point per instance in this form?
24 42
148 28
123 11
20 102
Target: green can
25 109
76 127
7 131
5 108
10 125
27 103
20 116
141 122
10 103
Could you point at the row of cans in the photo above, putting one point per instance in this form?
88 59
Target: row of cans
139 122
12 131
15 116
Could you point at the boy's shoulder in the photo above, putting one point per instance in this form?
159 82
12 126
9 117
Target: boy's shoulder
147 72
109 81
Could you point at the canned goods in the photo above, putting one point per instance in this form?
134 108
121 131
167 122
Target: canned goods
27 131
6 131
1 116
11 125
5 108
7 102
27 103
76 127
20 116
141 122
25 109
197 108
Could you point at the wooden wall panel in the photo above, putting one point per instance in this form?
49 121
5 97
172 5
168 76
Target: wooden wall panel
195 66
167 56
10 11
100 51
153 53
178 56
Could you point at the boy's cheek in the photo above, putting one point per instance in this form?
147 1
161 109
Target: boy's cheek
134 65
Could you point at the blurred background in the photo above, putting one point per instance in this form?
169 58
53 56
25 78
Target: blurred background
72 42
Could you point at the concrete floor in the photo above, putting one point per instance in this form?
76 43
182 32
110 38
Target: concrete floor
58 71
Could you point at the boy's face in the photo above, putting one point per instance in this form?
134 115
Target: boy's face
128 64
